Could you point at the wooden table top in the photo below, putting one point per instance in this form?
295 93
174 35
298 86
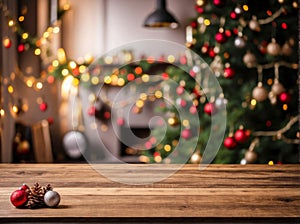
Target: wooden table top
230 193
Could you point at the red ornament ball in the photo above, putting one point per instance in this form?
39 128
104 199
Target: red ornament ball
91 110
194 24
233 16
43 106
230 142
24 187
229 73
211 52
21 48
285 97
186 133
241 136
221 37
18 198
219 3
210 108
180 90
120 121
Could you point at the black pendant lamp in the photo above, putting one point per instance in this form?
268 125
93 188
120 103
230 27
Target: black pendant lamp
161 17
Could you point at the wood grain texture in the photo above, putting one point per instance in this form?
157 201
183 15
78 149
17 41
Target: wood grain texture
229 193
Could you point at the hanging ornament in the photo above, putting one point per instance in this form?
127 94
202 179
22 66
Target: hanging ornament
210 108
6 42
201 2
21 48
229 73
23 148
241 135
254 24
277 87
220 37
272 98
229 142
18 198
285 97
186 133
239 42
287 49
196 158
273 48
250 156
233 15
238 10
211 52
43 106
219 3
249 59
259 93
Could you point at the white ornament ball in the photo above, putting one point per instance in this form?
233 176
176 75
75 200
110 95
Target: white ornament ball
239 42
254 25
259 93
52 198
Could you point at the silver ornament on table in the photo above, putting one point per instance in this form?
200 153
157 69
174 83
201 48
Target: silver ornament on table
259 93
52 198
239 42
273 48
249 60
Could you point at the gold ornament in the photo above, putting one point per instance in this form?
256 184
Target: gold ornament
173 121
254 24
196 158
277 87
250 156
259 93
273 48
249 60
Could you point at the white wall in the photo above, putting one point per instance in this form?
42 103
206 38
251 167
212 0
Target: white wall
97 26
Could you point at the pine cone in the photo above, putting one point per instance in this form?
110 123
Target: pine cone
36 195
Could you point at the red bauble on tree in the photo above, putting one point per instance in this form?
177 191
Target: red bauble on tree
43 106
186 133
241 135
18 198
219 3
285 97
229 73
221 37
210 108
91 110
230 142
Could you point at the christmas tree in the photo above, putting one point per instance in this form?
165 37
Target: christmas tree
251 47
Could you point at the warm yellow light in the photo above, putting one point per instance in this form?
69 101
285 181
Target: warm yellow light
72 64
25 36
2 112
140 103
253 102
39 85
61 56
29 83
271 163
167 148
15 109
95 80
270 81
114 80
82 68
245 7
66 6
157 159
10 89
92 97
171 59
144 159
11 23
75 82
158 94
21 18
46 34
56 30
143 96
55 63
66 86
172 121
206 22
65 72
185 123
121 82
175 142
284 106
107 79
145 78
37 51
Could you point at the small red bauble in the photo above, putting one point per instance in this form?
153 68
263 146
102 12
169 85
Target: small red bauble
230 143
241 136
233 15
285 97
221 38
91 110
180 90
210 108
43 106
194 24
219 3
211 53
229 73
24 187
18 198
120 121
186 133
21 48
